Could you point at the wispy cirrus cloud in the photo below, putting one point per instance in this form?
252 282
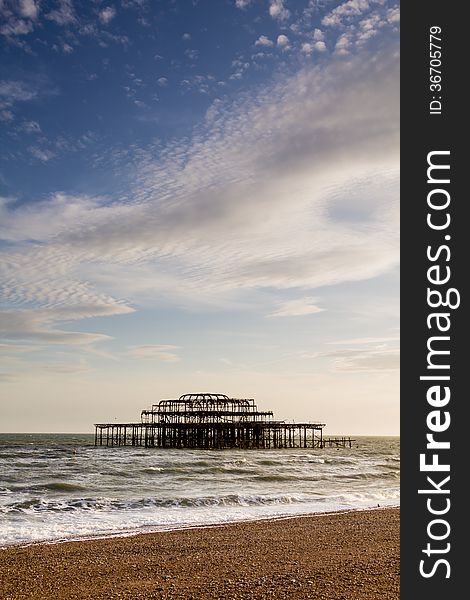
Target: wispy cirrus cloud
43 325
41 154
18 17
297 308
369 340
16 91
354 360
30 127
36 326
368 354
257 198
372 354
159 352
63 14
16 27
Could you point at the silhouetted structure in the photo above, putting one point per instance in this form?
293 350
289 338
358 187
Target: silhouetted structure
212 421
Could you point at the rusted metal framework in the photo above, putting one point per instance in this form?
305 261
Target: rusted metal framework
205 408
212 421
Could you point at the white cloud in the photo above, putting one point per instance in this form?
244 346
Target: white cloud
162 81
372 22
353 360
277 10
162 352
343 44
393 15
258 199
17 348
30 127
239 68
192 53
64 14
369 340
263 41
308 48
16 27
318 35
186 37
348 10
16 91
198 83
40 325
41 154
282 40
242 3
107 14
29 9
6 115
345 10
13 25
297 308
377 353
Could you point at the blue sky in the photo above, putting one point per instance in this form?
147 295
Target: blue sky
199 196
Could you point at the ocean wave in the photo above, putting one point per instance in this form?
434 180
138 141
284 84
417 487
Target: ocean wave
46 492
62 486
152 470
340 460
279 477
370 476
119 473
107 504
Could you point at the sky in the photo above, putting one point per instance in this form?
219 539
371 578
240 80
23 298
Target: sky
199 196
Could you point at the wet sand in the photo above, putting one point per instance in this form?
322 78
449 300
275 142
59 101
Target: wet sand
336 556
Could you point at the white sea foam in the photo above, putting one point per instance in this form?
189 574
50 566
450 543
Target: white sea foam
61 487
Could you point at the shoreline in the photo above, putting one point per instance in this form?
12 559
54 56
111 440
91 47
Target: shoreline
347 555
143 531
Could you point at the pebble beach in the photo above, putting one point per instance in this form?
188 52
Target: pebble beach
352 555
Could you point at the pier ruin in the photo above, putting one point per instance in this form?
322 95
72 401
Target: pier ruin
206 421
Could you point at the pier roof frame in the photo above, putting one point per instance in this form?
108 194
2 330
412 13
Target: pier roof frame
205 407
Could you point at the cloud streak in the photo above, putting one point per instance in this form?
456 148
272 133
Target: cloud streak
297 308
158 352
378 359
40 325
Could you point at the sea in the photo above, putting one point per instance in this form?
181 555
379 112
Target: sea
57 487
